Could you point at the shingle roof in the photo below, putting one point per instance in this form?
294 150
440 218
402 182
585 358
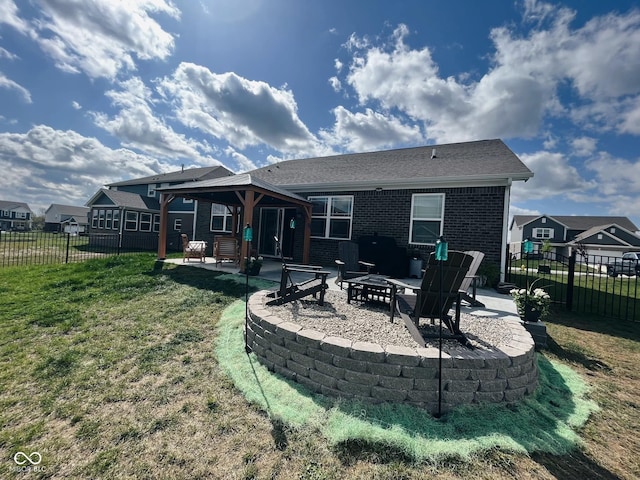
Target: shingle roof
9 205
188 175
131 200
580 222
485 159
70 209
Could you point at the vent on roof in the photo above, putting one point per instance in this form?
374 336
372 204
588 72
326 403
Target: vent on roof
433 153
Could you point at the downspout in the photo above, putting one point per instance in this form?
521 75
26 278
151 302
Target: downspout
505 229
195 216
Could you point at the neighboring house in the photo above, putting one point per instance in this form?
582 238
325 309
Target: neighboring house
131 208
598 235
15 216
66 218
412 195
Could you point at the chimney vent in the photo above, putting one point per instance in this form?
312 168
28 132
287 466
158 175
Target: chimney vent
433 153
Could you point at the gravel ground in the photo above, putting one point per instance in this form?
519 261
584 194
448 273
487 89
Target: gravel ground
368 323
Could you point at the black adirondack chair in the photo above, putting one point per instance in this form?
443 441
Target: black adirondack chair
426 301
349 263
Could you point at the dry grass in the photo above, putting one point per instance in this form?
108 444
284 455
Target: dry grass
108 370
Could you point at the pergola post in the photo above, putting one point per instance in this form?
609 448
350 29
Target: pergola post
248 204
162 239
306 245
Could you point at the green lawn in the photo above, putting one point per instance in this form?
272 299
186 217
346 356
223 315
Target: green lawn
108 370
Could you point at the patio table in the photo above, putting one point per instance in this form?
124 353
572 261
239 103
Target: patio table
369 288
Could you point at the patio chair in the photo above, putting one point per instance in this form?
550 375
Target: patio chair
289 290
226 248
193 248
471 280
425 303
349 263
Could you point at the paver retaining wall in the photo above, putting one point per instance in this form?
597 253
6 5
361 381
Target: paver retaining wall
370 372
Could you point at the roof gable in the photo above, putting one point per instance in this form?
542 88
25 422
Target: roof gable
14 206
188 175
578 222
123 199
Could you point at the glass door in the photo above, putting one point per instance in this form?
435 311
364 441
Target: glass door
270 226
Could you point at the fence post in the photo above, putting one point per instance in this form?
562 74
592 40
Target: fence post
571 279
66 259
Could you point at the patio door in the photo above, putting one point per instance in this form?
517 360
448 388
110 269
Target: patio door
276 222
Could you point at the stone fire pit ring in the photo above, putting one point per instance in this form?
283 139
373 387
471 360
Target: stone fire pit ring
373 373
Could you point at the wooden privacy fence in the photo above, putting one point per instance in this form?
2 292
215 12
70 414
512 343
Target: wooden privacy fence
582 284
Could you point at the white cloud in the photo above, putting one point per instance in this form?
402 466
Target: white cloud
553 176
616 176
137 126
102 37
43 166
243 161
76 105
10 84
335 84
4 53
9 15
584 146
243 112
369 131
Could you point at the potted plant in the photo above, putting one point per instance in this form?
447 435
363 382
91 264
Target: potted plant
253 265
532 303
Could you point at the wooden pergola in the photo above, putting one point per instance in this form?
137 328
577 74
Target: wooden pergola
239 193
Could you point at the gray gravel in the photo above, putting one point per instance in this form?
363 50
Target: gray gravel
369 323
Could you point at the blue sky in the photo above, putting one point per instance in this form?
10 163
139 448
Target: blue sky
97 91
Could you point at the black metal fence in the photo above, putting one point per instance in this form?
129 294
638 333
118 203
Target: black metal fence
599 285
42 248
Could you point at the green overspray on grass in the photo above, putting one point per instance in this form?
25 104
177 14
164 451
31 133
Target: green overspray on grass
546 422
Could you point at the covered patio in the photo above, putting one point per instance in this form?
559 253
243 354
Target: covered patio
241 194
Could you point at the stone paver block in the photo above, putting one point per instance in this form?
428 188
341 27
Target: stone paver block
310 384
303 360
273 338
264 343
402 356
398 383
384 369
463 385
322 379
285 372
356 389
288 330
422 395
336 346
517 382
270 322
329 369
496 359
430 358
368 352
332 392
310 338
497 385
419 372
467 359
427 384
257 349
489 397
281 351
294 346
484 374
457 398
388 394
516 394
317 354
274 358
510 372
298 368
360 377
350 364
456 373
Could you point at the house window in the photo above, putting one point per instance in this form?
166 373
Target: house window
599 236
107 224
177 224
131 221
116 219
21 215
612 230
151 190
543 233
145 222
156 222
187 200
5 213
94 218
221 218
427 215
544 220
332 216
101 219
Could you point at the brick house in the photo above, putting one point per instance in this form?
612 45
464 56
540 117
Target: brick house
410 195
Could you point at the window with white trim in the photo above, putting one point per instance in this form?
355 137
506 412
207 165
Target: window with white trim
145 221
332 216
151 190
109 217
94 218
177 224
131 221
21 215
116 219
187 200
221 218
156 222
427 218
101 219
543 233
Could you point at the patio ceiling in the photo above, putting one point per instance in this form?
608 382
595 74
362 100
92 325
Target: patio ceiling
242 191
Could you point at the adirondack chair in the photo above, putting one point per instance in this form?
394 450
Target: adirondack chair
426 301
193 248
471 279
289 290
226 248
349 263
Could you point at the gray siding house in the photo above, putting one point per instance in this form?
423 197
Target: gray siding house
66 218
15 216
411 196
